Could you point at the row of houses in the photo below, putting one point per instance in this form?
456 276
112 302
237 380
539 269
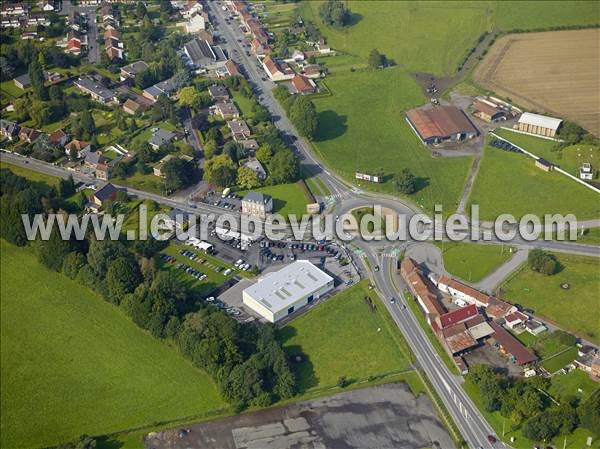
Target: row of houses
112 39
479 317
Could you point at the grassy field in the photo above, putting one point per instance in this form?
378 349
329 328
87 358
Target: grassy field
30 174
569 159
349 138
73 364
566 385
575 309
472 262
505 176
590 236
344 337
560 360
287 198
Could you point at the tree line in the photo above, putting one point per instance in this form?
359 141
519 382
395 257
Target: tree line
245 360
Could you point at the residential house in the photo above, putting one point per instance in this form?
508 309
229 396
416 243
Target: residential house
59 138
99 93
166 87
259 49
205 36
229 69
79 147
47 6
515 319
312 71
28 135
192 9
157 169
462 294
114 52
112 34
258 204
132 107
218 92
257 167
298 56
22 81
510 346
103 171
92 159
421 289
107 192
13 9
302 85
9 130
75 42
250 145
277 71
239 129
161 137
488 111
227 110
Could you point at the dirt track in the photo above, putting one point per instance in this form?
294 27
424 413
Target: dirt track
553 72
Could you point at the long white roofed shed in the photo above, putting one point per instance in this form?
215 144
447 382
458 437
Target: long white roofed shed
282 292
538 124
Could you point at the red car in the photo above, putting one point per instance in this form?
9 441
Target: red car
491 439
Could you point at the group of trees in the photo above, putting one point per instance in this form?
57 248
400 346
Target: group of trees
300 109
335 13
525 402
542 262
377 60
246 360
405 182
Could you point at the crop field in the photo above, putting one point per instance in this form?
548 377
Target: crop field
574 309
72 363
553 72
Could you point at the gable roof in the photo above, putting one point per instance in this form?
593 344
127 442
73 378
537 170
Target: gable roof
257 198
458 316
529 118
511 345
57 136
440 121
303 84
105 191
466 289
135 67
76 145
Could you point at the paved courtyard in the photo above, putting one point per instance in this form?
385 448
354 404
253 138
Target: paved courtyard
385 416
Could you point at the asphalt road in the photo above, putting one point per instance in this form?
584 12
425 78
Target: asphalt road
92 34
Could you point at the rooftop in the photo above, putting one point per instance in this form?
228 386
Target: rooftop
280 289
440 121
257 198
540 120
511 345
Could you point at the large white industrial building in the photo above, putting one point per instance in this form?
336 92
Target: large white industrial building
282 292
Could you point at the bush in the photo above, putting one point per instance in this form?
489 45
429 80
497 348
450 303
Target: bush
542 262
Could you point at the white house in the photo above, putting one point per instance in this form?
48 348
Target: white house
462 292
281 293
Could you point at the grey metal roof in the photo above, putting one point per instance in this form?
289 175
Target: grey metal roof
161 137
257 198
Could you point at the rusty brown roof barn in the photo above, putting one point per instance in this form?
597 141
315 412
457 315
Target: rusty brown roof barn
438 123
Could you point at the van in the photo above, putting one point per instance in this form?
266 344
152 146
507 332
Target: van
226 192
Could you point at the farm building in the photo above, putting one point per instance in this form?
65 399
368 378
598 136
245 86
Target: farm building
543 164
538 124
421 289
510 346
281 293
487 111
439 123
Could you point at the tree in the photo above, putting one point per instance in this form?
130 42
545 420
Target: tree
140 10
178 173
283 167
247 178
66 187
210 149
163 109
52 252
188 96
234 150
571 133
264 154
334 12
405 182
311 31
122 277
376 59
303 115
102 252
36 77
220 170
87 125
589 413
542 262
72 263
7 71
39 113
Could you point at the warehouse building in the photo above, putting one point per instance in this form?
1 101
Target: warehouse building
435 124
538 124
281 293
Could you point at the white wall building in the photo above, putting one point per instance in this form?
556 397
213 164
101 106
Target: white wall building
280 293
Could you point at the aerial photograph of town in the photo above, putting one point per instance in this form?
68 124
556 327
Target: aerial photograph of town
300 224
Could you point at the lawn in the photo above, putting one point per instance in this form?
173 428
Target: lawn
566 385
72 363
472 262
287 198
569 159
574 309
147 182
559 361
344 337
132 220
590 236
359 213
362 128
510 183
213 279
30 174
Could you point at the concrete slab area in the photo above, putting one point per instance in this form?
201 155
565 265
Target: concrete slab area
385 416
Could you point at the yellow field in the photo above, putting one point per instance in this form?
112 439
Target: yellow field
552 72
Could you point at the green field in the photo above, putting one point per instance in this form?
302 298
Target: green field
340 338
559 361
30 174
504 177
472 262
287 198
73 364
590 236
566 385
362 128
569 159
575 309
